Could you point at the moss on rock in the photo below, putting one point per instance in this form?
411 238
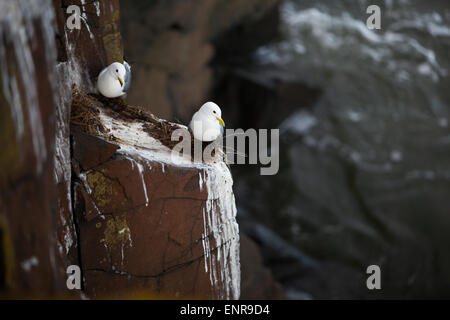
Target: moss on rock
102 187
116 231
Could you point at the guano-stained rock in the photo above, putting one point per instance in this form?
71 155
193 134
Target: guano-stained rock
144 224
151 225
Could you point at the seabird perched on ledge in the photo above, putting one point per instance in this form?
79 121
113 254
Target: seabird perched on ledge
207 124
114 81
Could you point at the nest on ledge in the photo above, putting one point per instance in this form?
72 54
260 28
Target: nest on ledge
85 115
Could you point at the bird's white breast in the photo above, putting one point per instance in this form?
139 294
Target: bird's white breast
108 85
204 129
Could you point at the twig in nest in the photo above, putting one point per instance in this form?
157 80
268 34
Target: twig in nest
84 114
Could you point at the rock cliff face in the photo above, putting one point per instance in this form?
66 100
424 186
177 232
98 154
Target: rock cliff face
148 222
131 218
37 233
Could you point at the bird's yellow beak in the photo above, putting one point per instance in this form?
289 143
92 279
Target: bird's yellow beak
121 81
221 121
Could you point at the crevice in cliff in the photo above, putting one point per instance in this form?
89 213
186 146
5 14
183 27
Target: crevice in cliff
75 218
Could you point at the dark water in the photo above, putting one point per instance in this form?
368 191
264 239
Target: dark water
365 172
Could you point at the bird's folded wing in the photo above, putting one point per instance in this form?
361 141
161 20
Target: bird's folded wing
127 80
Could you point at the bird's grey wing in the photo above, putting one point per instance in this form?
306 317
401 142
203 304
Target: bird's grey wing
127 79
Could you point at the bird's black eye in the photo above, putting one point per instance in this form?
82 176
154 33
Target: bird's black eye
117 70
214 111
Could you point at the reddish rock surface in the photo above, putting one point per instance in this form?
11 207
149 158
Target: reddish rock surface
98 43
257 280
170 43
141 224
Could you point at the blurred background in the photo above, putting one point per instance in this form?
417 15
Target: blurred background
364 154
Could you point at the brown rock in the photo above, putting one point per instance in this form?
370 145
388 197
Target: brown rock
99 42
85 157
176 39
257 280
188 91
37 234
33 258
143 224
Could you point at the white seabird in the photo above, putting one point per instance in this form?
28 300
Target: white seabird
114 81
207 123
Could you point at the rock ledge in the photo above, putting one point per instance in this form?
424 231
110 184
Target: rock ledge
148 223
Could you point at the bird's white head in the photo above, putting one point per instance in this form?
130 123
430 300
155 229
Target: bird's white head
117 71
212 111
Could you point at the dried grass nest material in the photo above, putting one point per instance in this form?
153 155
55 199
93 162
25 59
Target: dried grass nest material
85 115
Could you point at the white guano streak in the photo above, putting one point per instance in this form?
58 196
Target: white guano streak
219 218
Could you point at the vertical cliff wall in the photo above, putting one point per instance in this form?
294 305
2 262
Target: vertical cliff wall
134 221
40 62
